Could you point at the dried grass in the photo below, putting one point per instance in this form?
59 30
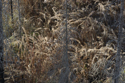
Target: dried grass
92 40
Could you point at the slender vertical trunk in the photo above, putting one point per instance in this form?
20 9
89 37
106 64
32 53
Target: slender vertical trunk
1 46
11 3
19 18
118 60
65 71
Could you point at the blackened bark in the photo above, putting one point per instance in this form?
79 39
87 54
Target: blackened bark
118 59
1 46
11 3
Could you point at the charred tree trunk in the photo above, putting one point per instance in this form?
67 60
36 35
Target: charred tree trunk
118 60
11 4
65 71
1 46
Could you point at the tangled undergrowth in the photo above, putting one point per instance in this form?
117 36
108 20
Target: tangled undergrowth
92 40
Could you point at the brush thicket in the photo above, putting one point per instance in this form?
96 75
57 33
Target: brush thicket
91 40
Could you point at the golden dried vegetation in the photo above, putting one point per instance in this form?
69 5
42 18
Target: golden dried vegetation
92 40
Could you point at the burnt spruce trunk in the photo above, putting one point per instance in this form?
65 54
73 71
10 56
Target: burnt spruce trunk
1 46
119 42
11 4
